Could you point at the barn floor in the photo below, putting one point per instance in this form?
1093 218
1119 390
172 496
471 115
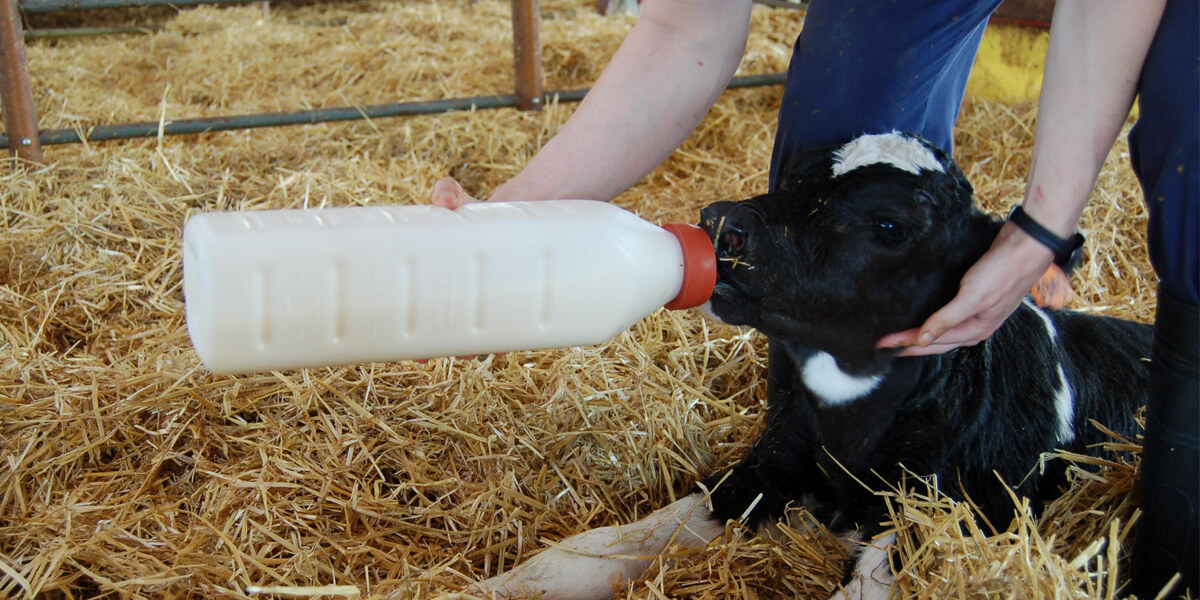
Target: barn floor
129 471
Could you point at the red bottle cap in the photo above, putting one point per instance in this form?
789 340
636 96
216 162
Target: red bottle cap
699 266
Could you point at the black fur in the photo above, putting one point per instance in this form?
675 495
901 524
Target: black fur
832 264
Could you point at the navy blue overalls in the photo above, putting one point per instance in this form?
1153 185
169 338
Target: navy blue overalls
877 66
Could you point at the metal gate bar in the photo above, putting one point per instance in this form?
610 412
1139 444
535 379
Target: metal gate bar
49 6
308 117
20 117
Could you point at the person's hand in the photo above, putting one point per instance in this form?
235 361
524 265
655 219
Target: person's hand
990 291
448 193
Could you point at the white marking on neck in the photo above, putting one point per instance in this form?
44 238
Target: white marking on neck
706 310
1064 399
834 386
1051 330
895 149
1064 405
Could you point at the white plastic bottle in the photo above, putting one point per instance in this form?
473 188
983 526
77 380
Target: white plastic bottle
279 289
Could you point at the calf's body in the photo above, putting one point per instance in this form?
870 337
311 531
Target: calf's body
1048 376
858 242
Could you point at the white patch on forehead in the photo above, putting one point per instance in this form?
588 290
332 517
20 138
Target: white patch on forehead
900 151
834 386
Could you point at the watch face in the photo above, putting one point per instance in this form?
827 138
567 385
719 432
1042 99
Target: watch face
1071 259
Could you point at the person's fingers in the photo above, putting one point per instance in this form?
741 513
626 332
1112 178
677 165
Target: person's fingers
900 339
968 333
928 350
990 290
444 193
1053 290
964 306
971 331
960 310
448 193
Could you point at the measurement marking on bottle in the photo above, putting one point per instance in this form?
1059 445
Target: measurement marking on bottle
406 294
547 295
475 294
337 316
258 305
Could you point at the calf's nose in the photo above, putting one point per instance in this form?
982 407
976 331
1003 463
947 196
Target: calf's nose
729 237
714 213
731 241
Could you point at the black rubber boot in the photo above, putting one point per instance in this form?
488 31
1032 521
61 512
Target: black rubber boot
1169 486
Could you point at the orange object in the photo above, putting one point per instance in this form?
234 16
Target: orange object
1053 290
699 266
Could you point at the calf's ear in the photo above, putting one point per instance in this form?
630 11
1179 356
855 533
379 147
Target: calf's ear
805 167
982 231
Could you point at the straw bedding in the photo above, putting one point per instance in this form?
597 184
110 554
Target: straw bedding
128 471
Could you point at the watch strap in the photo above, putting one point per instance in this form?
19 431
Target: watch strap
1065 250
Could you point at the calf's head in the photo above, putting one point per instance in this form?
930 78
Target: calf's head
858 242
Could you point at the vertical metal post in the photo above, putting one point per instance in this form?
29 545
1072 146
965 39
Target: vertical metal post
528 50
20 118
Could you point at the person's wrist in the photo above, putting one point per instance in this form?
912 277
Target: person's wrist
1065 250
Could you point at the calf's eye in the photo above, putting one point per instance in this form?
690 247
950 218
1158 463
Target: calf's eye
890 232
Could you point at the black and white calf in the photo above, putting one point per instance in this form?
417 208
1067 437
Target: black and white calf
861 241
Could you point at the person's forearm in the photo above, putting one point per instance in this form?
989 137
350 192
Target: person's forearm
664 78
1097 48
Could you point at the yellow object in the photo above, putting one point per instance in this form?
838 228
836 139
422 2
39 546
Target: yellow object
1010 63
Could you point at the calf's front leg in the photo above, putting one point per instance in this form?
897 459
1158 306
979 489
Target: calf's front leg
872 578
587 565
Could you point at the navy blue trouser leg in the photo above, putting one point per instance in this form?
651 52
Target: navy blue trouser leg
1165 153
874 67
1169 532
1164 149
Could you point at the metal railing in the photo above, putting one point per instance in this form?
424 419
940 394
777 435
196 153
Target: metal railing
24 140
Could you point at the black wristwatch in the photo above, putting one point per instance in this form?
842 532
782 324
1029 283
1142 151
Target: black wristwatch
1066 252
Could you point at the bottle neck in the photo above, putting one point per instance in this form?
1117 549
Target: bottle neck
699 266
